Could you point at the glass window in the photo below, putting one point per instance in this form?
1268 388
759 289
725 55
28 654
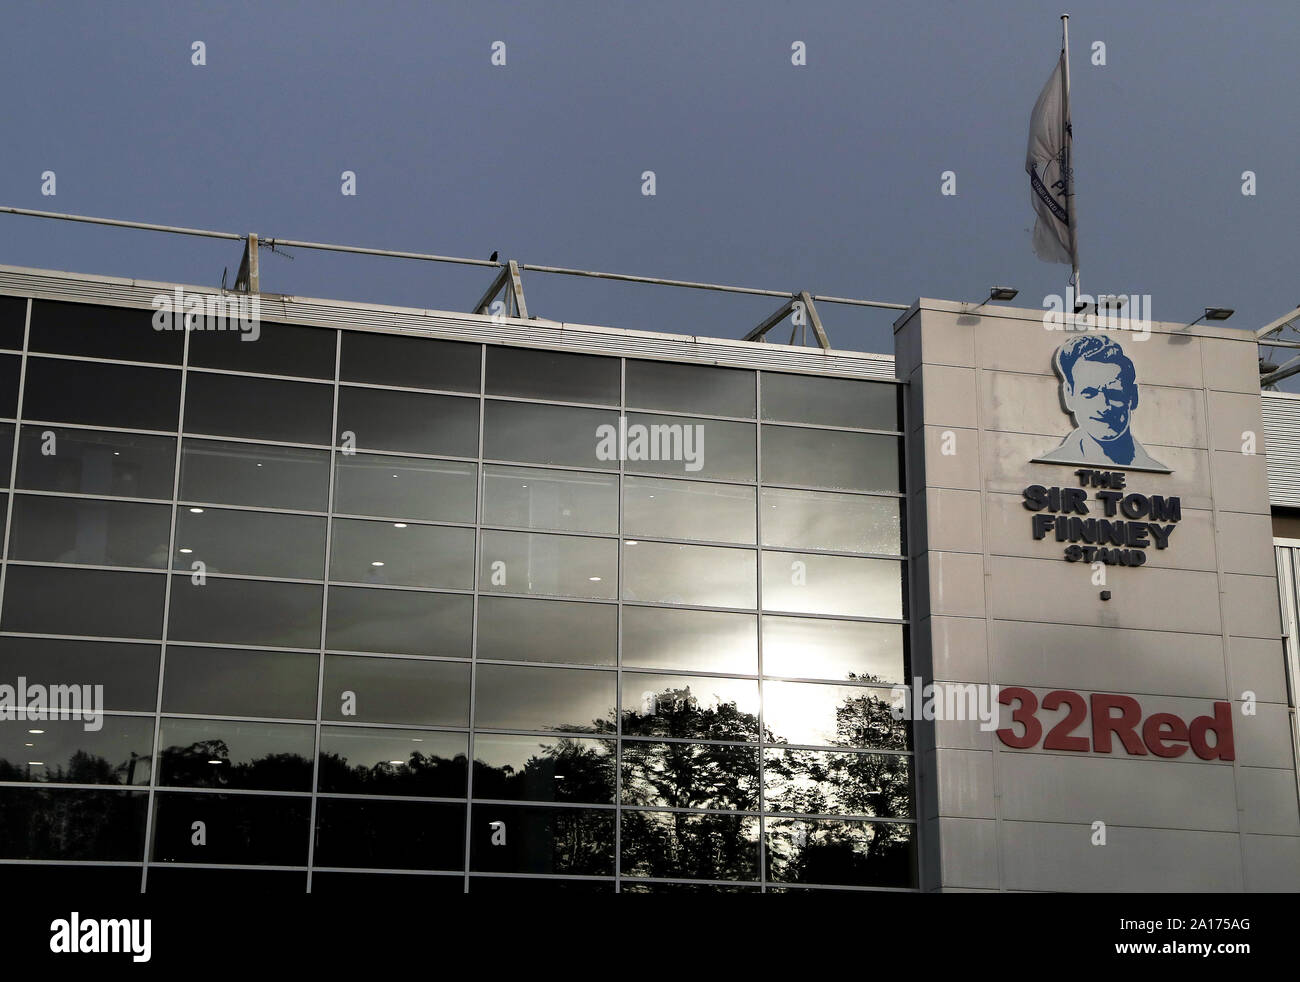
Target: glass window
405 487
278 615
73 880
41 600
207 753
276 349
253 543
560 565
529 768
880 854
700 389
830 459
690 707
244 829
568 699
552 375
128 672
830 401
126 333
6 446
371 760
804 647
805 583
72 824
390 834
258 408
401 622
832 715
839 522
93 533
688 446
659 572
515 629
419 363
402 554
573 841
842 783
67 751
689 775
515 886
569 501
237 682
410 691
713 846
127 465
414 422
66 391
690 640
217 884
538 434
249 474
10 365
13 317
666 509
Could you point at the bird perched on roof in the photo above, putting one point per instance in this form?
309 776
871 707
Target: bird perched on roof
493 258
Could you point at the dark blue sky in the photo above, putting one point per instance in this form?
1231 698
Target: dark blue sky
825 177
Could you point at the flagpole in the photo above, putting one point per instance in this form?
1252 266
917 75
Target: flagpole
1067 141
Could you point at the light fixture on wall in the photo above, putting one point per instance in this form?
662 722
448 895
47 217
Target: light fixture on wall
1214 314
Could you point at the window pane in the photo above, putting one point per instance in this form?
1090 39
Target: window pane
65 750
714 846
245 829
402 554
830 401
552 375
6 446
570 501
102 395
68 824
527 768
538 434
126 333
128 672
689 775
690 640
881 854
413 422
706 575
400 621
576 841
13 315
832 715
10 365
568 699
690 388
804 583
94 533
249 474
830 459
687 446
202 753
688 510
417 763
396 690
514 629
235 682
803 647
128 465
258 408
560 565
233 885
276 349
823 520
390 834
420 363
250 542
39 600
279 615
690 707
810 781
405 487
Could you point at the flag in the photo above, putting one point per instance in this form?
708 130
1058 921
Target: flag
1047 162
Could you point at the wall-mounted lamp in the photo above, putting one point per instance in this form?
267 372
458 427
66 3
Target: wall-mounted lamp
1214 314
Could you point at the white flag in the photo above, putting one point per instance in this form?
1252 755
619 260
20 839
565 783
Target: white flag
1046 162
